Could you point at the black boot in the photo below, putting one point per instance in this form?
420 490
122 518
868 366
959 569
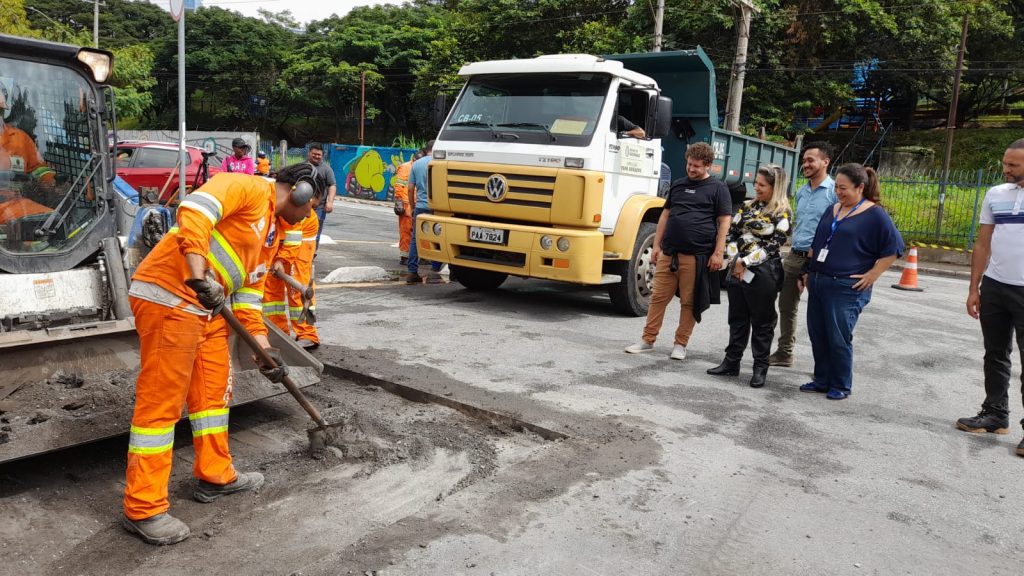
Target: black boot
726 368
757 380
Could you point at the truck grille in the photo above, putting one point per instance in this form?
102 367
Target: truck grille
523 190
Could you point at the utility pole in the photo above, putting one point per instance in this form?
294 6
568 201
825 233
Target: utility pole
362 105
96 23
659 24
951 125
739 66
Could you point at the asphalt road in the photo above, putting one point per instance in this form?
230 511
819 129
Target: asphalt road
645 465
738 480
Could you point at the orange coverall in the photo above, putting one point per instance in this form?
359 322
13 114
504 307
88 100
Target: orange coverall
185 357
18 153
298 245
263 166
404 220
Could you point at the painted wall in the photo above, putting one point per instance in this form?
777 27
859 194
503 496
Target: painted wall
366 171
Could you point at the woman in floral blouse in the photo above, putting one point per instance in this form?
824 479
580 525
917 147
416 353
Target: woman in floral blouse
758 231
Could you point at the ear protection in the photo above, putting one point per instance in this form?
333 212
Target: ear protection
302 192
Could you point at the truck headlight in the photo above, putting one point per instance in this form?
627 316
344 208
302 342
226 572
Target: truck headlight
563 244
546 242
574 162
440 154
437 228
424 227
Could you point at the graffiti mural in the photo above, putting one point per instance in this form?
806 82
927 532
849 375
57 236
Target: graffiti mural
366 171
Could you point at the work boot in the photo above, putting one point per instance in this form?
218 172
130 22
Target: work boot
206 492
757 380
307 344
639 348
412 278
403 261
985 421
434 278
780 359
726 368
678 352
161 530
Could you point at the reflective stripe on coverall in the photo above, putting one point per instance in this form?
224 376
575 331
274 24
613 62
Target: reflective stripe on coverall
185 357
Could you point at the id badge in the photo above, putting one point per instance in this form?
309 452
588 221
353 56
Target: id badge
822 254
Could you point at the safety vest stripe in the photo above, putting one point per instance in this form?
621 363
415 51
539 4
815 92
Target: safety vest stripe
209 422
173 230
309 238
245 306
205 204
248 296
223 258
41 171
293 235
150 440
292 243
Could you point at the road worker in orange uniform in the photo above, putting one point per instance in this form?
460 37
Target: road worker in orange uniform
403 211
262 164
295 257
216 256
18 152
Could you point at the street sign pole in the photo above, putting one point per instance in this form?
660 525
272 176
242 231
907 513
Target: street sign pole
178 13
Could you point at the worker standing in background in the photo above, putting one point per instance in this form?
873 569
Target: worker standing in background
282 304
403 209
215 256
262 164
239 161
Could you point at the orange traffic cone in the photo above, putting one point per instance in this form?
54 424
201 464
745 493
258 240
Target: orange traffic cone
909 279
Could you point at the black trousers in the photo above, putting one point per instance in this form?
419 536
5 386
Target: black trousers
1002 313
752 316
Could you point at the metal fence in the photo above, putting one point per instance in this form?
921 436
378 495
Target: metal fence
930 210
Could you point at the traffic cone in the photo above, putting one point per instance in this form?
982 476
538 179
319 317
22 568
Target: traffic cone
909 279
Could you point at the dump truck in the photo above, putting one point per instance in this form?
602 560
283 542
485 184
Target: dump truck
69 240
533 174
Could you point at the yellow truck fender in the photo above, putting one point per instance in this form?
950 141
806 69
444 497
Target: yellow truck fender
637 209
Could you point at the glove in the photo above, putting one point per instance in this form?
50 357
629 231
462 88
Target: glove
209 294
278 372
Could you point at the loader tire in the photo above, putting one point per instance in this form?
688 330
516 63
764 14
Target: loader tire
632 295
479 280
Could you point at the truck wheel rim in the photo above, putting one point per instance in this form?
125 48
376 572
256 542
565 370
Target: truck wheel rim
645 269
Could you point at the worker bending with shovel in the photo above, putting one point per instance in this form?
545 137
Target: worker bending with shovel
288 294
216 256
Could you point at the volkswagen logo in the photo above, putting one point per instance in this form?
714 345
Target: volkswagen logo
496 188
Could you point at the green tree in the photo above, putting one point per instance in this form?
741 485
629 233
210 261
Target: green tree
133 79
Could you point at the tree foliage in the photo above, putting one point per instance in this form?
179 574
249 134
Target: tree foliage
269 73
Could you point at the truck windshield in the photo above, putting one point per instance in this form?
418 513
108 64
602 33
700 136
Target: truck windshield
48 157
562 109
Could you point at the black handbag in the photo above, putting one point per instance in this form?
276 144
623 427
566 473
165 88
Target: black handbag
399 207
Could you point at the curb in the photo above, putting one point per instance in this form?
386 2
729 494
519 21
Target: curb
362 201
944 272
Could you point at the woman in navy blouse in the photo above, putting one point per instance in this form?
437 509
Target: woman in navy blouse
757 233
855 242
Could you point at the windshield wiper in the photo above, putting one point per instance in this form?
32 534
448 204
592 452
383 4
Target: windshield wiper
487 125
528 125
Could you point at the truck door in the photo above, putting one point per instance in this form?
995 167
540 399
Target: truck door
633 161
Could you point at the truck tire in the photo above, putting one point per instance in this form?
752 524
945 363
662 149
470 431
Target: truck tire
632 295
473 279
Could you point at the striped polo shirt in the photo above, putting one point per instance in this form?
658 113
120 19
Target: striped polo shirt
1004 207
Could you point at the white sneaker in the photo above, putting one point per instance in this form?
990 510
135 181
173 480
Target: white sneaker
678 352
639 348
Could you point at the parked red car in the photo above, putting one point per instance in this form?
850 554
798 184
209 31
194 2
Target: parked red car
146 165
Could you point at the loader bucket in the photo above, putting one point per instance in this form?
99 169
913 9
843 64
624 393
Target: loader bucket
64 388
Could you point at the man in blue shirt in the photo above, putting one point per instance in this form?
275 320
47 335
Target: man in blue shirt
813 198
419 185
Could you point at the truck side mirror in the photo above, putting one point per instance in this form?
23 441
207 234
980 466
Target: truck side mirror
660 116
440 110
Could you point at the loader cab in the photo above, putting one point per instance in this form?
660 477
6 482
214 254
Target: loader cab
55 167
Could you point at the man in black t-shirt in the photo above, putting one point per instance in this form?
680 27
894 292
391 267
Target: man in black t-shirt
688 245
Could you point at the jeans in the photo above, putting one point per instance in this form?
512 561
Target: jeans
321 214
666 285
1002 314
752 316
789 302
414 252
833 307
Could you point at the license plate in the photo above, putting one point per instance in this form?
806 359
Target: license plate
486 235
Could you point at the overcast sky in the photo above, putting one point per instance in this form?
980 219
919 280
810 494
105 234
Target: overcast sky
303 11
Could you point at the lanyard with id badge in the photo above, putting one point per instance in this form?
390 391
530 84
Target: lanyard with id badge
823 253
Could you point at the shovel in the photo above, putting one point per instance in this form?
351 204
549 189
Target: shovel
307 316
319 437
